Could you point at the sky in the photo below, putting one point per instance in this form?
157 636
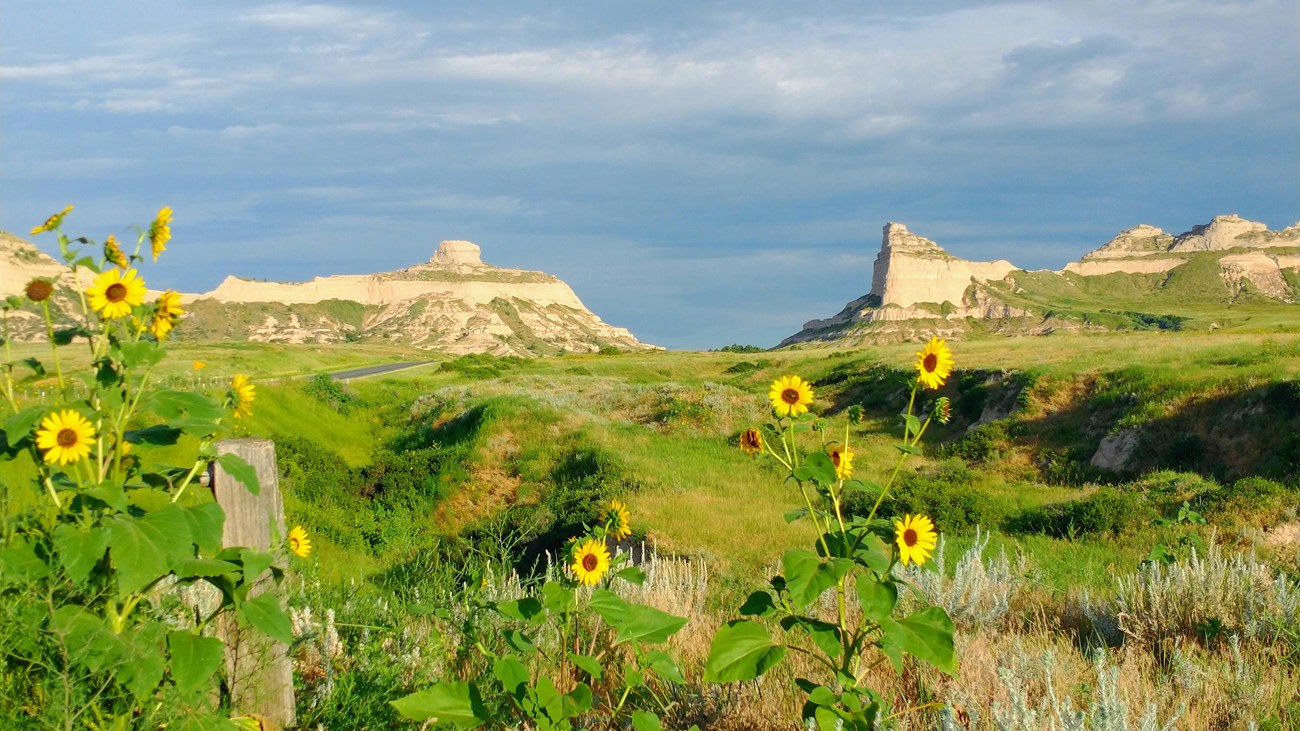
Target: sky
702 173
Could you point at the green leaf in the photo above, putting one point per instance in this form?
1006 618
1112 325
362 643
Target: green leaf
513 675
611 607
79 549
195 660
255 562
926 635
236 467
632 575
207 520
871 552
265 614
64 336
807 576
112 493
143 549
908 449
518 641
664 666
204 567
824 634
912 423
877 597
19 426
793 515
578 701
649 626
455 703
140 353
172 405
643 721
817 468
589 664
19 563
88 639
759 604
159 435
38 368
143 670
741 650
523 610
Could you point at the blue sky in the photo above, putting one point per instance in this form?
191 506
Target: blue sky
701 173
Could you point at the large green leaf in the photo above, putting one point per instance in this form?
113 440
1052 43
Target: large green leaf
817 468
824 634
19 426
144 549
79 549
86 638
242 471
140 353
611 607
589 664
147 660
160 435
265 613
513 675
195 660
741 650
525 609
877 597
926 635
19 563
204 567
206 520
650 626
643 721
663 665
807 576
455 703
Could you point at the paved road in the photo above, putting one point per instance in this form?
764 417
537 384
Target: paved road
376 370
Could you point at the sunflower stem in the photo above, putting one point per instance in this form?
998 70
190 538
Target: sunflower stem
54 348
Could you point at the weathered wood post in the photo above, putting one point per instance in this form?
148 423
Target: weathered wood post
259 670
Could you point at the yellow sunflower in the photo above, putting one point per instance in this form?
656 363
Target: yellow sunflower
115 292
299 543
590 561
242 395
934 363
842 458
52 222
160 231
165 313
790 395
751 441
199 365
66 436
916 539
619 520
113 252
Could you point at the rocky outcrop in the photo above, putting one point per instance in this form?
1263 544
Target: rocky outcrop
1233 231
911 269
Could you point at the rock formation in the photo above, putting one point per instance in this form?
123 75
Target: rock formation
918 289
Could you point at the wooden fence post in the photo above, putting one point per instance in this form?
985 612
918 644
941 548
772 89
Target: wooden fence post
259 669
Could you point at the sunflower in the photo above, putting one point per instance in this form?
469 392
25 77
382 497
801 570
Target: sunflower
65 436
39 290
590 561
113 252
916 538
160 231
242 395
115 292
199 365
619 520
751 441
842 458
298 542
165 313
790 395
934 363
52 222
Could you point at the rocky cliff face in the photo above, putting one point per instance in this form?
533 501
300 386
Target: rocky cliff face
452 302
917 288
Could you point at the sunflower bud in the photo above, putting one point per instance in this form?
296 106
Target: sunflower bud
39 290
751 442
855 414
943 410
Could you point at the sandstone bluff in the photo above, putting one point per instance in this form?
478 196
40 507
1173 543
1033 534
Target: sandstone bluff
1142 277
453 302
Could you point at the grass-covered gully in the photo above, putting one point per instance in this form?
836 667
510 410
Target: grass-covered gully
1065 532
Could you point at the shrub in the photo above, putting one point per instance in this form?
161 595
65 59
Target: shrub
1250 501
982 444
1107 510
942 492
328 391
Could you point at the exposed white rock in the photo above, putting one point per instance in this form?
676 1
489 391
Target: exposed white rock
1116 450
1261 269
1137 241
456 254
910 269
1226 232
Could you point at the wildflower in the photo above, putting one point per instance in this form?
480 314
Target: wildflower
66 436
39 290
199 365
590 561
242 393
299 543
934 364
160 231
115 292
165 313
619 520
916 539
52 222
943 410
790 395
751 441
842 458
113 252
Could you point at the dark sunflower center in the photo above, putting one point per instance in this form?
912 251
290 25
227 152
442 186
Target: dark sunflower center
930 363
116 292
39 291
835 458
909 537
790 396
590 562
67 438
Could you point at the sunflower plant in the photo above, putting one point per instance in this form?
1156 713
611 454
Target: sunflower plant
97 546
853 563
574 654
